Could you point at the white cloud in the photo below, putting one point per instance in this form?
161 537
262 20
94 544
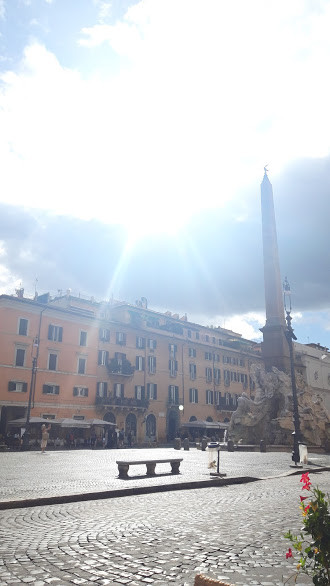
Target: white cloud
208 93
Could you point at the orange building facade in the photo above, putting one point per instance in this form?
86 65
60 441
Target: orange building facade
147 372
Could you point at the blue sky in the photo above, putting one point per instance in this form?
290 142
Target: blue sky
133 137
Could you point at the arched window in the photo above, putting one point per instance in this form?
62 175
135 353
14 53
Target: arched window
151 426
209 418
110 417
193 418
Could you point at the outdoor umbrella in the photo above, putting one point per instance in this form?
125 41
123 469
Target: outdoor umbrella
99 422
81 423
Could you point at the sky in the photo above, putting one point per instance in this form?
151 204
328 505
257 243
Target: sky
133 140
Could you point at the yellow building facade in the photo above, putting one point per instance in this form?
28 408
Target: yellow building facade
149 373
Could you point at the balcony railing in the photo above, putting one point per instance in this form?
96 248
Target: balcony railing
223 406
120 367
123 402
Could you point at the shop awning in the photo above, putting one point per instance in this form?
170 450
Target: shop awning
201 424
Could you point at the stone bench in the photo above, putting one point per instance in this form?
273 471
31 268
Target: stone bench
123 466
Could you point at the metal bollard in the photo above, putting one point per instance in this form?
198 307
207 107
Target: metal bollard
230 446
204 444
177 443
186 444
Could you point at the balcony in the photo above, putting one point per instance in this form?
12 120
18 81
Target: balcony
223 406
129 402
120 367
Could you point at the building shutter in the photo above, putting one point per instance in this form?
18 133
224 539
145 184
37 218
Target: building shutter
11 385
24 387
57 390
75 391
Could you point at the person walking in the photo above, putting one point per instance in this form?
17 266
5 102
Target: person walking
44 436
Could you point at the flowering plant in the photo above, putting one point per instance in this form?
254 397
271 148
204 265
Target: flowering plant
314 552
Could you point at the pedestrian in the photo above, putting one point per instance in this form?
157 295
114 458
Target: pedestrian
121 438
44 436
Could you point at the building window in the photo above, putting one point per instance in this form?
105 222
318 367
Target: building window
52 362
208 356
193 395
197 335
81 365
152 344
55 333
173 350
189 333
80 391
51 390
216 357
152 364
241 362
118 390
217 375
227 398
139 363
23 326
102 389
20 357
208 374
207 338
192 352
104 335
214 340
217 397
121 338
173 367
83 338
209 397
103 357
192 371
139 392
173 394
140 342
151 391
17 387
226 377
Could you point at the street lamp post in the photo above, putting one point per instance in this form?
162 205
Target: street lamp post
35 352
290 336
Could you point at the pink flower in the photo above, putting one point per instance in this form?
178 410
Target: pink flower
307 483
289 553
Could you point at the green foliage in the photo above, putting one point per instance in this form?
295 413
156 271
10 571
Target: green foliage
313 543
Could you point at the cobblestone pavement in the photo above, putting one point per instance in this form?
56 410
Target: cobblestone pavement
234 532
27 475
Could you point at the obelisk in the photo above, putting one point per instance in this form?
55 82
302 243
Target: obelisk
275 348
